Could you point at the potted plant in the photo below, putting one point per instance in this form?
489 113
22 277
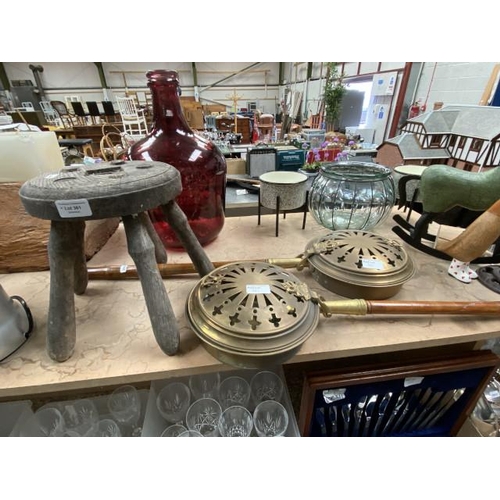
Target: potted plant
335 90
311 170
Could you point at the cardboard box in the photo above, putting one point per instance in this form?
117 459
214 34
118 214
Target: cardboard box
236 166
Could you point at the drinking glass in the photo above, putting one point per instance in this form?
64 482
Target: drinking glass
107 428
234 391
205 385
203 416
270 419
124 404
266 385
173 431
81 417
173 402
235 421
50 422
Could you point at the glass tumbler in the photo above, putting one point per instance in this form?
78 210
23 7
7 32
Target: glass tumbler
266 385
352 195
203 416
173 402
270 419
235 421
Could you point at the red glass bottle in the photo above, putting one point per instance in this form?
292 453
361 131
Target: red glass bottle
201 165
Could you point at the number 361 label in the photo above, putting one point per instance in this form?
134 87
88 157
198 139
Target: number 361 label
73 208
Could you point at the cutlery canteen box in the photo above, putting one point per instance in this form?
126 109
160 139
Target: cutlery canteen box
428 397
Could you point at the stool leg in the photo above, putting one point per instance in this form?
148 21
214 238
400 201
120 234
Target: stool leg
81 274
160 252
161 314
61 325
258 211
178 221
305 210
277 214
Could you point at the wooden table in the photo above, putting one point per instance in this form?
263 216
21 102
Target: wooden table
410 169
115 341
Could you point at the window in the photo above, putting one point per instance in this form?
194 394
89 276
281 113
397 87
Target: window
461 143
453 141
476 145
436 141
468 167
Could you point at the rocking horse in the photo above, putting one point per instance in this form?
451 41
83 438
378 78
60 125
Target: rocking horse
451 197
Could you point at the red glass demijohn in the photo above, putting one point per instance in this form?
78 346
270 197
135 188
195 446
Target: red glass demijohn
201 165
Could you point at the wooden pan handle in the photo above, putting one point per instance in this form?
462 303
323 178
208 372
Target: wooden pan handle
126 272
362 307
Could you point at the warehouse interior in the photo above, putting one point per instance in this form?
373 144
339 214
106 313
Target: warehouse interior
400 377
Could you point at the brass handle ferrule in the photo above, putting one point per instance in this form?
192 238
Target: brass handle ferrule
352 307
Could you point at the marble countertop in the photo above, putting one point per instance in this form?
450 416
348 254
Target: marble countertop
115 343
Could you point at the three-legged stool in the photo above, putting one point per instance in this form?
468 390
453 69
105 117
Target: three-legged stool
100 191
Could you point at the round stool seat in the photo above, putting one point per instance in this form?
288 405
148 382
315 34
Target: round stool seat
100 191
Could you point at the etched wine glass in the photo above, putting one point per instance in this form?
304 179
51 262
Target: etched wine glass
50 422
270 419
173 431
107 428
124 404
173 402
205 385
266 385
203 416
235 421
234 391
81 416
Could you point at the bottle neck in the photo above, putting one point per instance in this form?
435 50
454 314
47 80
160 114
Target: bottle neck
167 109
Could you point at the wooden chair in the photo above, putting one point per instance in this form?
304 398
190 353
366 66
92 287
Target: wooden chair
112 144
50 114
133 119
80 113
109 111
94 112
66 118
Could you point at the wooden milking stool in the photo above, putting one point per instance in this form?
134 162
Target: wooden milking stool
104 190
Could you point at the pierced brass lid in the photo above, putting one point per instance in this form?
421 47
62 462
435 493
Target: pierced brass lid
251 307
360 258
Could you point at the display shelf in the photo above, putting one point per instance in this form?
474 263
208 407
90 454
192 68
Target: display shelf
115 343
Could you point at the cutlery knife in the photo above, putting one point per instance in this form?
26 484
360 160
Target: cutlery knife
416 414
369 410
444 407
333 417
379 411
407 411
417 425
395 412
346 412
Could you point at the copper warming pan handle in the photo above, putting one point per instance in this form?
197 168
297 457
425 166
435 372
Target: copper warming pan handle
359 307
363 307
